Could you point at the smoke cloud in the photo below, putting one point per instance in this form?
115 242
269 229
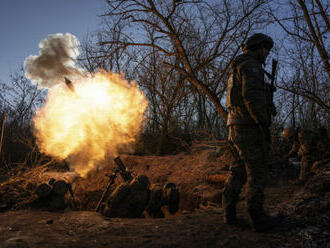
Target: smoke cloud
86 121
55 61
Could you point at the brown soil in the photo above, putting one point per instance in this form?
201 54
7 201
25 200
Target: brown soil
197 224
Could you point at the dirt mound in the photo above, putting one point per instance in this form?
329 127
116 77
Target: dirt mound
18 190
313 202
199 177
310 207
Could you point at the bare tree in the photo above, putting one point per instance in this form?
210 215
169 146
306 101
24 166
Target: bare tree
307 21
203 35
19 99
305 67
179 52
167 96
317 29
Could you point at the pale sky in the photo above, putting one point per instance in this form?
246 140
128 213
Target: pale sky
24 23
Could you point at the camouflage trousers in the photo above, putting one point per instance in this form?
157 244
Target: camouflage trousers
249 167
307 161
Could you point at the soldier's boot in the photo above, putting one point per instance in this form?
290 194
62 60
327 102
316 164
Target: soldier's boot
230 215
171 197
263 222
156 202
229 209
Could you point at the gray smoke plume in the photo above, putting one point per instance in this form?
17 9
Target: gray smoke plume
56 61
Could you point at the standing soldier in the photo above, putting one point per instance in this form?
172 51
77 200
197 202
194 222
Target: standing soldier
249 119
291 137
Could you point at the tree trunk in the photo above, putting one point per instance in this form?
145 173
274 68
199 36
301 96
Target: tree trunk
323 53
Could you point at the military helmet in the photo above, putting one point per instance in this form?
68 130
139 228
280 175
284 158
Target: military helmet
288 133
256 40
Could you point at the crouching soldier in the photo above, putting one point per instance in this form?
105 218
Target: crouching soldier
159 197
309 146
291 136
129 200
52 195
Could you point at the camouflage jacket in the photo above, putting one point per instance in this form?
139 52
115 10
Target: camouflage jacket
248 96
295 149
312 143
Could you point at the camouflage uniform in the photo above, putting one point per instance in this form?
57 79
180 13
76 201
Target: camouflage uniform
155 202
308 150
129 200
309 146
159 197
291 136
249 118
323 143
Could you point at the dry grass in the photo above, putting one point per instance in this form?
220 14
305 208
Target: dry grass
199 176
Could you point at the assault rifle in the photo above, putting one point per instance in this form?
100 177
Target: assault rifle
273 75
272 87
124 173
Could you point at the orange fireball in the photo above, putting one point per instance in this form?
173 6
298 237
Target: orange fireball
103 113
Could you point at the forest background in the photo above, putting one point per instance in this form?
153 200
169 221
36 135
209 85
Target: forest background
179 52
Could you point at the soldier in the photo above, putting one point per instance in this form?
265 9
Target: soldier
129 200
248 120
159 197
323 144
310 146
308 150
52 196
323 147
291 136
